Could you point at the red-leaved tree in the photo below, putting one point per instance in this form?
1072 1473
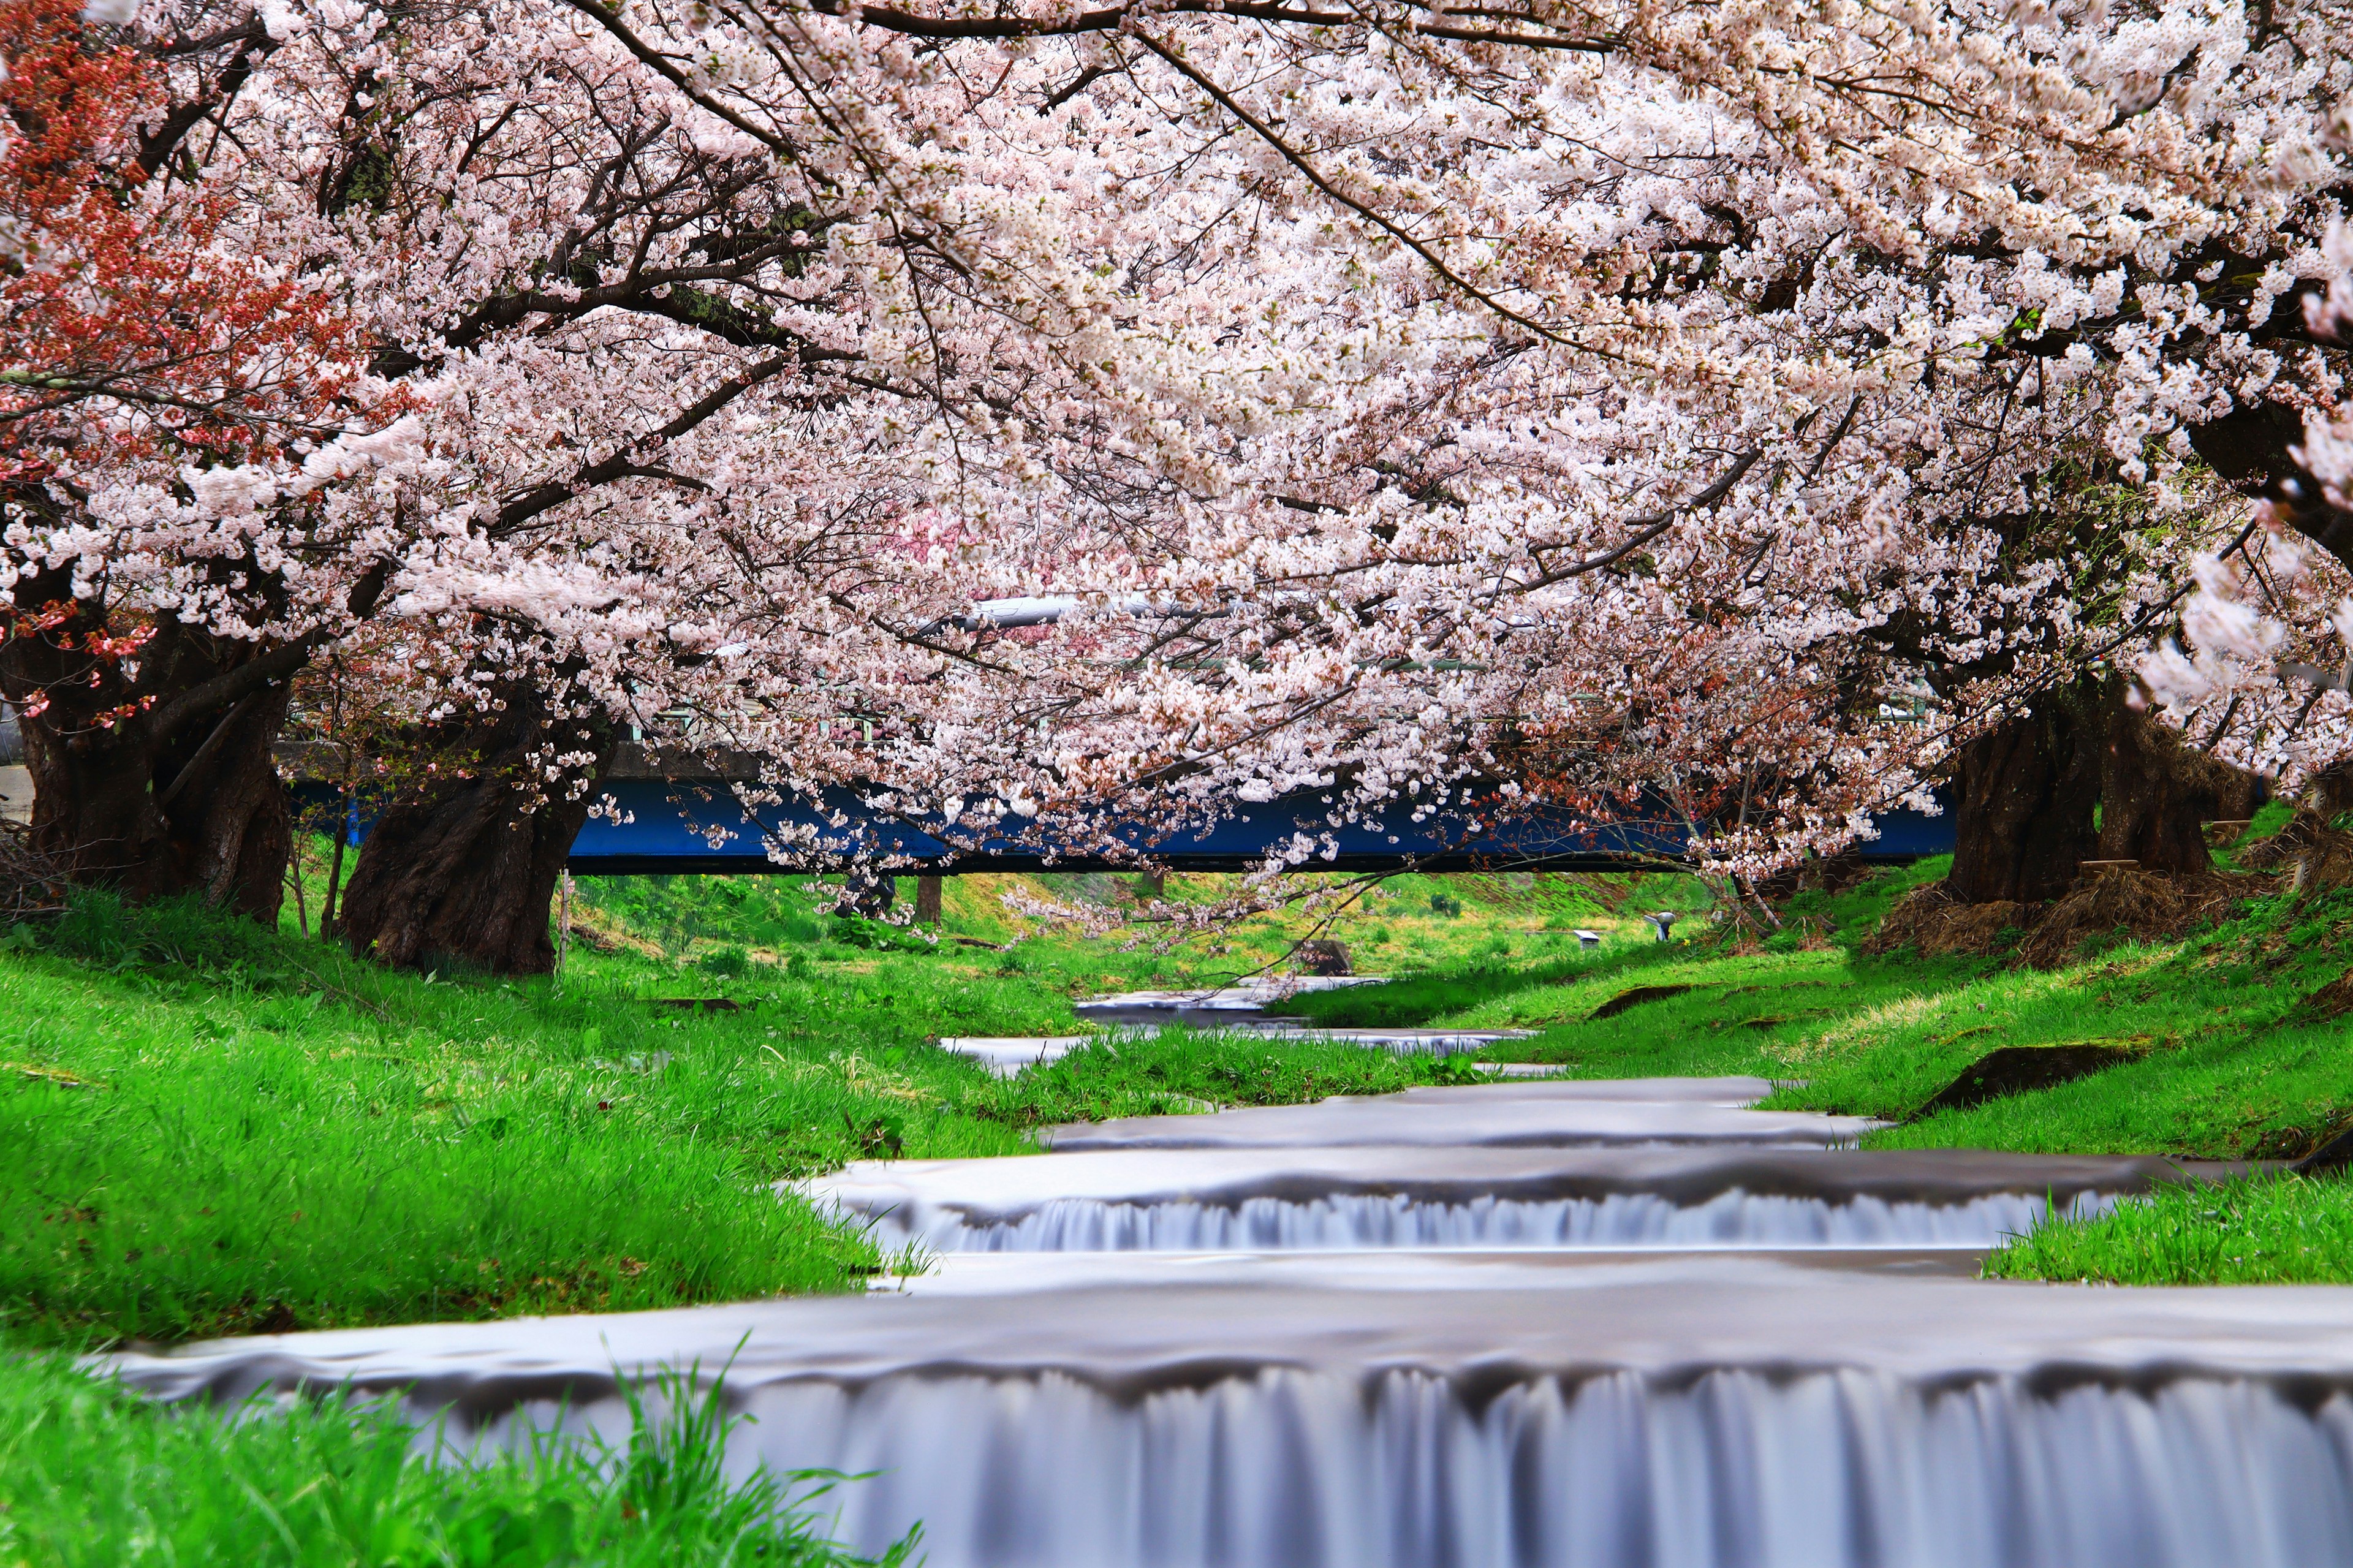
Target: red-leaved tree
136 333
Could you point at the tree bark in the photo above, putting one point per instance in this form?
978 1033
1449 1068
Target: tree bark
461 870
927 900
2157 794
152 774
2028 790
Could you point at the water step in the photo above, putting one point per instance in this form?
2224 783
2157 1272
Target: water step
1351 1197
1541 1113
1006 1055
1211 1006
1304 1413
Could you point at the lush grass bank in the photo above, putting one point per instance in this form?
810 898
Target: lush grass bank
90 1478
207 1128
2276 1229
288 1139
2218 1058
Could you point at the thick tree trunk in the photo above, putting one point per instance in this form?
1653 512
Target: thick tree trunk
2157 794
141 781
2028 791
927 900
459 871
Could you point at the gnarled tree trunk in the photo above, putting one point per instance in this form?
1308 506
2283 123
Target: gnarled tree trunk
460 871
2028 791
151 772
2086 776
2157 794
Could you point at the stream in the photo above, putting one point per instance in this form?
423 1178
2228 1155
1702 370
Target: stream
1630 1324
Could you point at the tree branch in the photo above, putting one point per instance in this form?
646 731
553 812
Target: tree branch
1649 527
1315 178
623 464
1110 19
267 670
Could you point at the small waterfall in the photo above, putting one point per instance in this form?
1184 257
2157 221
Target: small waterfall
1286 1469
1348 1221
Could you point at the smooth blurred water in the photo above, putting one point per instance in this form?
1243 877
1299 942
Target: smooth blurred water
1283 1468
1576 1325
1346 1222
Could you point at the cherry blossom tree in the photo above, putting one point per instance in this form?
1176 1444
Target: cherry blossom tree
2258 672
147 730
1050 415
1918 322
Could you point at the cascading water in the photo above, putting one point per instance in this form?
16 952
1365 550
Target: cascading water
1345 1198
1288 1469
1618 1220
1387 1334
1392 1413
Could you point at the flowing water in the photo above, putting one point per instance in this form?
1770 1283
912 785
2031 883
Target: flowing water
1617 1221
1629 1324
1326 1198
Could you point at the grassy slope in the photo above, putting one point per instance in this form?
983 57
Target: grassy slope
2229 1070
2230 1067
1406 924
284 1138
208 1129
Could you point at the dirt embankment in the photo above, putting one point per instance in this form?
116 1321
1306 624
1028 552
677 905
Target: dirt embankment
2108 904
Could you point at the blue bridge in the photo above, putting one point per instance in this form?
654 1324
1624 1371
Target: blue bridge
696 825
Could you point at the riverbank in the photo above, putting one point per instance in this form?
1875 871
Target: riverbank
209 1130
2216 1046
202 1126
206 1129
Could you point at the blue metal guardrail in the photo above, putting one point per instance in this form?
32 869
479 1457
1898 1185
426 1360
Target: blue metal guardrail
669 828
665 827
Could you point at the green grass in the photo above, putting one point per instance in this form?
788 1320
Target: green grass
1406 924
207 1128
93 1477
2272 1229
2227 1066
